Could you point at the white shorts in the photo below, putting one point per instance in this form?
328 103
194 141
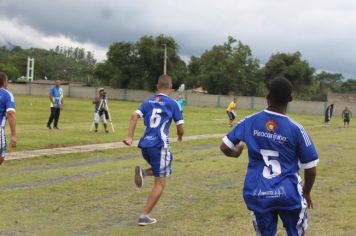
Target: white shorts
97 117
2 142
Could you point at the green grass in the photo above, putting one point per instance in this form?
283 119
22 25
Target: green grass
93 193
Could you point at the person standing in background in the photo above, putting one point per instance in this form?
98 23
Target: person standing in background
231 111
181 102
7 111
346 116
56 99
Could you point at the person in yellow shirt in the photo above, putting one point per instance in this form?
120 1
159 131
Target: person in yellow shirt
231 111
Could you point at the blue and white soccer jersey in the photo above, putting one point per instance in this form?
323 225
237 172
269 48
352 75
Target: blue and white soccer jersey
277 148
157 113
57 94
7 103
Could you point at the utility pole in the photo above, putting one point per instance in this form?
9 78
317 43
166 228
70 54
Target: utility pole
165 60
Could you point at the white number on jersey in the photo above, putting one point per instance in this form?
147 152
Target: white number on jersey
272 168
155 118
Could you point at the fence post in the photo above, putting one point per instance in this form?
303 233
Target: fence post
218 101
186 97
125 94
69 89
252 103
30 88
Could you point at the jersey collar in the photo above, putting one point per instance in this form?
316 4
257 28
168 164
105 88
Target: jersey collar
274 113
162 94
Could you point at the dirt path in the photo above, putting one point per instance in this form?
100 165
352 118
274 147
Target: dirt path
91 147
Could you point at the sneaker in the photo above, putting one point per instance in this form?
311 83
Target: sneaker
146 220
107 131
55 127
96 131
138 176
49 127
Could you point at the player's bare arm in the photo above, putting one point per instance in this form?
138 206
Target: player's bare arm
180 132
309 179
11 117
132 126
235 152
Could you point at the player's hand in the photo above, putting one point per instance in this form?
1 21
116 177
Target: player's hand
180 138
13 141
128 141
309 200
61 106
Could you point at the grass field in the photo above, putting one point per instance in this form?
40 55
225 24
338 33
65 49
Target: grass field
93 193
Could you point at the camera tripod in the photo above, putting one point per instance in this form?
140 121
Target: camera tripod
103 106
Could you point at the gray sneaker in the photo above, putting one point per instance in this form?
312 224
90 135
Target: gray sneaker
146 220
138 176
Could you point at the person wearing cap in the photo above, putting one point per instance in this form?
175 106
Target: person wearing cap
56 104
100 110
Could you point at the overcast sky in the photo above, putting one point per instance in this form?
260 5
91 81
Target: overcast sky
324 31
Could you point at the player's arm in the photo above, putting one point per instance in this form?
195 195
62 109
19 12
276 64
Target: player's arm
309 179
180 132
232 152
132 126
11 117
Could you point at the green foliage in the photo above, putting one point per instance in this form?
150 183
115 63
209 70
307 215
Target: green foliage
296 70
138 65
227 68
48 63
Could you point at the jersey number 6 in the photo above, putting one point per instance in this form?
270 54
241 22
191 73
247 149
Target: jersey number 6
155 118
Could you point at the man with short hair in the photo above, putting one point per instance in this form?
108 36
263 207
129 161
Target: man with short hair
56 104
157 113
346 116
277 148
7 111
100 110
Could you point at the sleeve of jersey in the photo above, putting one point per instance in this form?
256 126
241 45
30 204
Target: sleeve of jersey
235 135
141 110
10 103
177 114
308 156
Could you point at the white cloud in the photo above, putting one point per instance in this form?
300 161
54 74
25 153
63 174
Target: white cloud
27 37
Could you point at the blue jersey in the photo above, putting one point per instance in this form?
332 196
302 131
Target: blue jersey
277 148
57 94
157 113
7 103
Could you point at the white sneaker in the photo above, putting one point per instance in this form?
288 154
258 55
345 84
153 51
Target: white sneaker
138 176
146 220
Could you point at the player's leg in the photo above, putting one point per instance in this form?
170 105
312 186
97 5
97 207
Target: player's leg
295 222
51 117
103 118
96 121
229 114
265 224
160 160
56 117
2 145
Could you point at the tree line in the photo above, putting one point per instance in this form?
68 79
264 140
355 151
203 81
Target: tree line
229 68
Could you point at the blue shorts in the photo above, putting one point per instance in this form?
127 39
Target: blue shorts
160 159
2 142
295 221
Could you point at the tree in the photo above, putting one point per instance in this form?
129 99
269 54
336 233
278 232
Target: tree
227 68
296 70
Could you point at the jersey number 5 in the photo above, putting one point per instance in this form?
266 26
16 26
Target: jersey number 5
272 168
155 118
